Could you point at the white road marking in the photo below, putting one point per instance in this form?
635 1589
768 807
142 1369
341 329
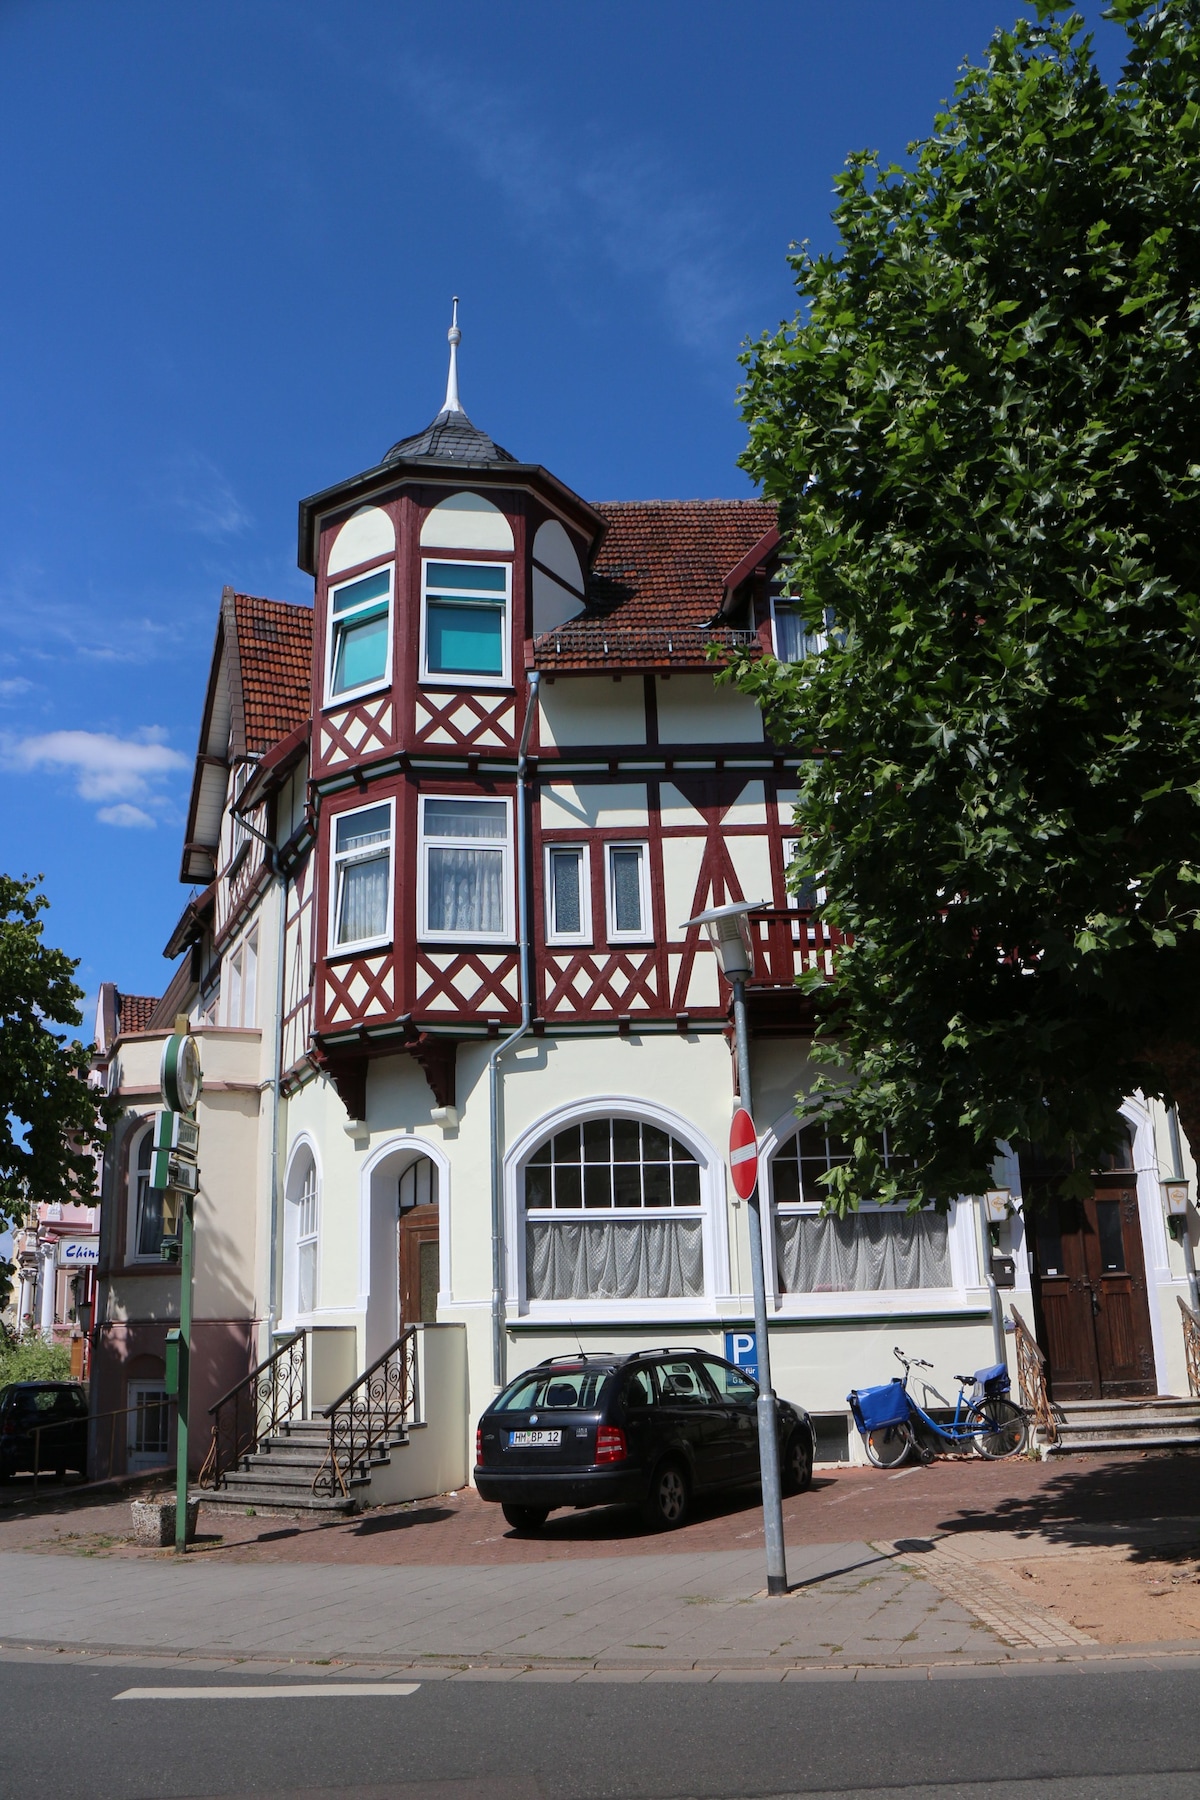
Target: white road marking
325 1690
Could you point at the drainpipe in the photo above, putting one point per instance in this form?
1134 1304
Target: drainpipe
523 935
276 1072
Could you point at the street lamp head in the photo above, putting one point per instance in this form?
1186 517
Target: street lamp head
728 929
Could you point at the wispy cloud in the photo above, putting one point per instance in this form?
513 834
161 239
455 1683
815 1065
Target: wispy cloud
125 815
118 771
636 207
190 485
13 688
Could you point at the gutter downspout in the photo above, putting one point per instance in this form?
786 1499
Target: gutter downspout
499 1358
276 1075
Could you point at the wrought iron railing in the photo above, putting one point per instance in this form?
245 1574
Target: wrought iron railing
1191 1344
370 1413
1031 1379
261 1403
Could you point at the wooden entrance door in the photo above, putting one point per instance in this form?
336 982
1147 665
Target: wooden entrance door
418 1265
1090 1279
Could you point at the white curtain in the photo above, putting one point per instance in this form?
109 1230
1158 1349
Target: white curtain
826 1255
363 909
618 1259
466 890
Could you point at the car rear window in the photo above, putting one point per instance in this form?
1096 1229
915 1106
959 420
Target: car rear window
545 1389
65 1402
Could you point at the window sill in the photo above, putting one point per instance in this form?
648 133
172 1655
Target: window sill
443 939
337 701
347 952
491 682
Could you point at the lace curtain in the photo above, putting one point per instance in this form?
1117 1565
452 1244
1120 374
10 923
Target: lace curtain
363 911
466 890
826 1255
636 1259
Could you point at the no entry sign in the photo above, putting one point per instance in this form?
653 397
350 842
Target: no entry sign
743 1154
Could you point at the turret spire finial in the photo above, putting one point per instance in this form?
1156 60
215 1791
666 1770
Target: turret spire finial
453 403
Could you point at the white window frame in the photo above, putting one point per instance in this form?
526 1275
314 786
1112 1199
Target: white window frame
712 1212
138 1140
338 857
435 678
236 984
346 695
818 640
645 932
136 1392
553 934
425 843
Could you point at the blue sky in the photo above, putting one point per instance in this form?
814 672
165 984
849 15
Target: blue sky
232 233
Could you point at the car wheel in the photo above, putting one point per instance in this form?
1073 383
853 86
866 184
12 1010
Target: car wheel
526 1518
668 1501
796 1463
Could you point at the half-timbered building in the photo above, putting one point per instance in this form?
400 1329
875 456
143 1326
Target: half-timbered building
446 828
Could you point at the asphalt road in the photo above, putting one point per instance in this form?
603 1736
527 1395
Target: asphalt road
1069 1735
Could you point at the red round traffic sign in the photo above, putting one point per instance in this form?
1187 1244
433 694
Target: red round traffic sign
743 1154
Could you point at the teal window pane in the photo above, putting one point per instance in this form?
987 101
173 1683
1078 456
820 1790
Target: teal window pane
360 651
482 578
465 640
357 593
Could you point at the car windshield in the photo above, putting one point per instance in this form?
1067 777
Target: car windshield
544 1389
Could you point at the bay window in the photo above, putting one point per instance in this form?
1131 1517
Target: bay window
359 634
465 857
871 1249
361 909
613 1212
627 890
466 620
568 903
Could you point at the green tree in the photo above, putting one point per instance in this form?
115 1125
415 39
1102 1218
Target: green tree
983 434
50 1119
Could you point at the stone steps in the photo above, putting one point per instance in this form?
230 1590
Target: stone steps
279 1475
1104 1425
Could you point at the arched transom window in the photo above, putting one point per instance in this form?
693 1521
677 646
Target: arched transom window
613 1212
305 1202
876 1247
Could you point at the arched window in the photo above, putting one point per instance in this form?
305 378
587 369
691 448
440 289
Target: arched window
613 1212
302 1234
874 1248
146 1203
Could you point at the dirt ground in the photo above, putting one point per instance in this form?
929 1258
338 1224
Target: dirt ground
1117 1593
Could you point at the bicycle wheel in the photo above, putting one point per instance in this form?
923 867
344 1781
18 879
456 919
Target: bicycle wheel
1003 1428
888 1445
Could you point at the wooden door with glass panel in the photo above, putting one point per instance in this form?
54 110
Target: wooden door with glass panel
419 1244
1090 1298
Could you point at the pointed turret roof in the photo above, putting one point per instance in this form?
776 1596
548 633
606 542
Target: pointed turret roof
451 438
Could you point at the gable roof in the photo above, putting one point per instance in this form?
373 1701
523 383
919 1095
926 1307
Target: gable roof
259 689
134 1012
657 584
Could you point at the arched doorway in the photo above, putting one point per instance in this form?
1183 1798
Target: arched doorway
403 1242
1089 1281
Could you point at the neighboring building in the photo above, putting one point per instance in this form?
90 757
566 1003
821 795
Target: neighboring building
55 1253
498 674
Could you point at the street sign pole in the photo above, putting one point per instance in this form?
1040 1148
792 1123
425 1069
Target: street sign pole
185 1349
768 1429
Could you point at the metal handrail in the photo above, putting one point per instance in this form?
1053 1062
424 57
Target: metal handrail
117 1412
1191 1343
257 1405
376 1404
1031 1379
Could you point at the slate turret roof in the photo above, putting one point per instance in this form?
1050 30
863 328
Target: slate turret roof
452 439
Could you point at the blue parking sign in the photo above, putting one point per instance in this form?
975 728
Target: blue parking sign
741 1349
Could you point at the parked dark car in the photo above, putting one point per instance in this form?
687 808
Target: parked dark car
26 1405
651 1430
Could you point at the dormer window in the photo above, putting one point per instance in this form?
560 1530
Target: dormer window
801 630
360 615
465 623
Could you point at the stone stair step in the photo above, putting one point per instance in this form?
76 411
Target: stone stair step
1162 1441
268 1499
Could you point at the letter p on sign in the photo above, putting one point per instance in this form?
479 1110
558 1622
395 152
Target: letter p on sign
743 1154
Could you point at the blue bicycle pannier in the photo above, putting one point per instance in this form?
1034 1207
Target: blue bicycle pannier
878 1406
993 1380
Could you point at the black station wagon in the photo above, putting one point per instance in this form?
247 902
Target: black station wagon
649 1430
60 1410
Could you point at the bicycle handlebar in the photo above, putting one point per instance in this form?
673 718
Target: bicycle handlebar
911 1362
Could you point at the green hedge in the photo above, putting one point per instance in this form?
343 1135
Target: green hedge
33 1359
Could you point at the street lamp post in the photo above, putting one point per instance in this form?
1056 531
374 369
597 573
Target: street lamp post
729 933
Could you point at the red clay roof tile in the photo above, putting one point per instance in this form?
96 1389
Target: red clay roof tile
133 1012
274 648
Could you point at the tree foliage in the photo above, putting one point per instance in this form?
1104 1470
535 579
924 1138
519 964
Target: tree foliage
983 434
50 1120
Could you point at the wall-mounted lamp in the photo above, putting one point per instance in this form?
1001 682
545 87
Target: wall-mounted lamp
997 1205
1175 1206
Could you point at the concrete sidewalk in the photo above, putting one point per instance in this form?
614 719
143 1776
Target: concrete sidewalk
850 1604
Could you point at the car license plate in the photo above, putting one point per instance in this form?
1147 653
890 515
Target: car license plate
534 1440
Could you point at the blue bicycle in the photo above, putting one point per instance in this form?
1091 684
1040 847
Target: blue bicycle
894 1427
